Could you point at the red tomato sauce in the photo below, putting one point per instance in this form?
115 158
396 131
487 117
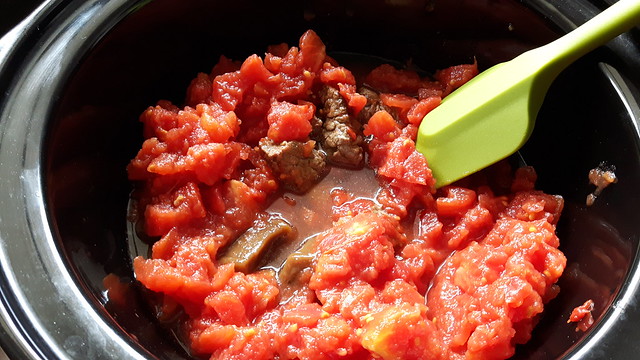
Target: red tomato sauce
395 269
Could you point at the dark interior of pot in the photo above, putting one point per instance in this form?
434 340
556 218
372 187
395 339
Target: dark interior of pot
158 49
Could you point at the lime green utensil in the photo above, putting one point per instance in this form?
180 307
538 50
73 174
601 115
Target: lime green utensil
492 116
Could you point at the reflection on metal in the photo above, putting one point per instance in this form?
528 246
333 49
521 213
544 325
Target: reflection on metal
626 96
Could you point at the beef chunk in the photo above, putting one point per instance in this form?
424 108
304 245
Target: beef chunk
299 165
340 137
316 127
374 104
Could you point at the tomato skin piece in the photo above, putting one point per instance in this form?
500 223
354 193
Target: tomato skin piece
579 312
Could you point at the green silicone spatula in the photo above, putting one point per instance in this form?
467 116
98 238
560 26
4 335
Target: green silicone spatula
492 116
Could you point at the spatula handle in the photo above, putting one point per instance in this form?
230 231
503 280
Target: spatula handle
615 20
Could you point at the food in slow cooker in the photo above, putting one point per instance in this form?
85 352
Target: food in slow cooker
356 254
581 315
601 177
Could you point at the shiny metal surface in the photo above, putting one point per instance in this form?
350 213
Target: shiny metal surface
28 252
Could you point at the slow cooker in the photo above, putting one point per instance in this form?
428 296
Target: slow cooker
76 74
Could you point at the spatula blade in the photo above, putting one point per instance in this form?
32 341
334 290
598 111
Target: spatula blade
484 121
492 116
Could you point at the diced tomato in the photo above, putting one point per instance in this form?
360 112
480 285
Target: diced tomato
404 162
360 247
472 226
355 101
159 119
253 71
290 122
228 89
224 65
241 205
174 209
279 50
396 195
216 336
273 62
350 208
394 270
419 110
187 286
524 180
457 201
388 79
428 90
582 315
199 91
456 76
401 102
313 51
394 332
214 161
382 126
219 124
304 315
334 75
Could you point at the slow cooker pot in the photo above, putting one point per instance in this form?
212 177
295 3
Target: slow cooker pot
77 73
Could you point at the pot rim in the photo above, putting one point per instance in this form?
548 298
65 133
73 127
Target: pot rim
55 33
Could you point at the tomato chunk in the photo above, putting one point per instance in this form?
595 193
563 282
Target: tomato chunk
290 122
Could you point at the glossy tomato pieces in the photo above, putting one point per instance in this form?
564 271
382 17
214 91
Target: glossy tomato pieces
393 270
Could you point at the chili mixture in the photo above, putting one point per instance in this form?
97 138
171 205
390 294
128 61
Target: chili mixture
293 218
